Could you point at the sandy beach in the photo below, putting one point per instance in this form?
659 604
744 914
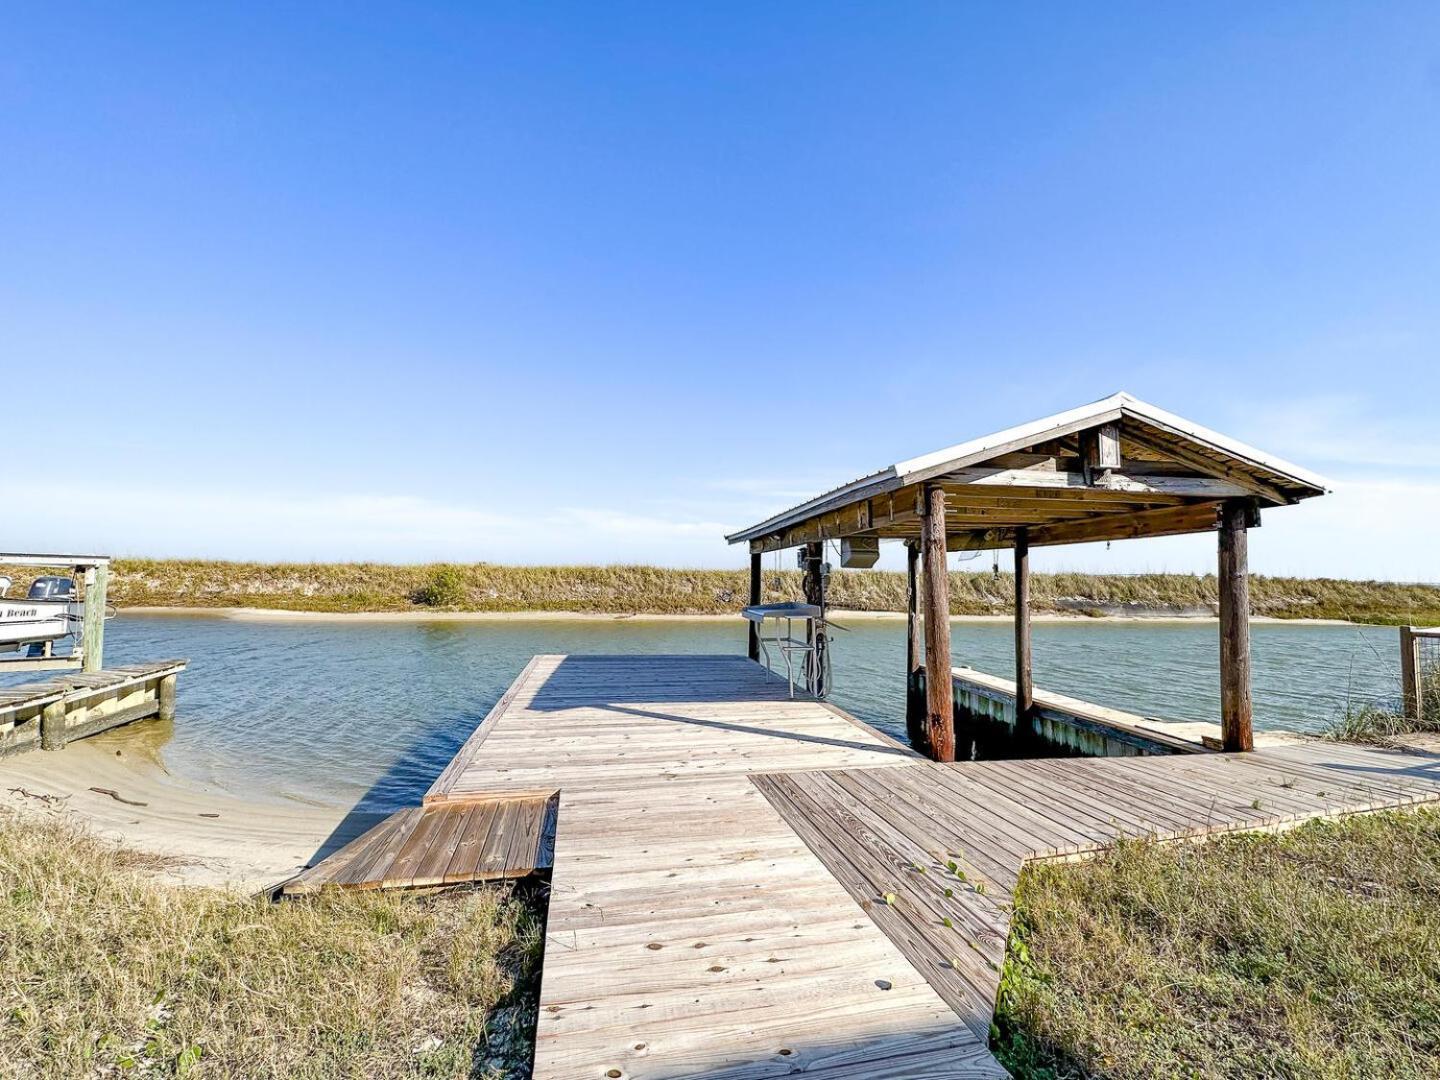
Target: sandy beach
212 837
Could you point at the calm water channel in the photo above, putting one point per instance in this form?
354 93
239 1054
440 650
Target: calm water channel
340 713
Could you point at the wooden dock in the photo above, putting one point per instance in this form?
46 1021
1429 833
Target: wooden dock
691 932
933 852
47 715
745 885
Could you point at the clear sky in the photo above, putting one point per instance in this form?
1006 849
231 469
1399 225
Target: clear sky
541 282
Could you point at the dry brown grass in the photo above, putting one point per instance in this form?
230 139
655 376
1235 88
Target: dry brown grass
106 972
355 587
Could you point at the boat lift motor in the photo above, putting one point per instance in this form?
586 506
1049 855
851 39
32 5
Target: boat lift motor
859 552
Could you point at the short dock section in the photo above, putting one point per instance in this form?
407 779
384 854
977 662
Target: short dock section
1054 724
47 715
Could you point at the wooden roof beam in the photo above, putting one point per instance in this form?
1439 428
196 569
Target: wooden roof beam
1171 521
1194 487
986 501
851 521
1251 485
1091 500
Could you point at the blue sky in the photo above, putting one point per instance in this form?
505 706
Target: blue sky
532 282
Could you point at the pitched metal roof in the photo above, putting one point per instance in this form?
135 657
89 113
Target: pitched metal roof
1286 482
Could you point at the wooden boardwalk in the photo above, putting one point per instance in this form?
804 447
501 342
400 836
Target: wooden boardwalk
745 885
691 932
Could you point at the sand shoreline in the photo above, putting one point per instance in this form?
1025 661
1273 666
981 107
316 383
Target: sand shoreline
251 614
213 837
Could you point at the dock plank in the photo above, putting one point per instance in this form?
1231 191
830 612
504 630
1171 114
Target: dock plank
749 885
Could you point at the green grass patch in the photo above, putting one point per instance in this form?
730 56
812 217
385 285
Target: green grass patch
354 587
104 972
1314 952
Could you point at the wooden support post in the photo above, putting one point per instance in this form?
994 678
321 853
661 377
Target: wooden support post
93 585
1024 676
1411 691
914 669
939 687
1235 702
165 693
754 632
52 726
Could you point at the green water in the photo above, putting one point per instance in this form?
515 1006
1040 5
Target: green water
350 712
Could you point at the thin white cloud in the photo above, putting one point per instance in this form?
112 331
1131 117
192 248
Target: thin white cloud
260 525
1342 431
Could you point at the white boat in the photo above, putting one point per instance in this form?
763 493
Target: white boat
25 622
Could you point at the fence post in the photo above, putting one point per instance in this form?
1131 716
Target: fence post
1410 672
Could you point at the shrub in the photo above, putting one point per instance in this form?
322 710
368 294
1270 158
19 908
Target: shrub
444 588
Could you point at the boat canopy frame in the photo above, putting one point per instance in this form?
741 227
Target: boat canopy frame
1117 468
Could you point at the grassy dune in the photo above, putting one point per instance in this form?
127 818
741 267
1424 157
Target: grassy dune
107 973
356 587
1307 953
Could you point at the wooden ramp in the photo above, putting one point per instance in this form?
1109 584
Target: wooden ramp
485 840
691 932
932 852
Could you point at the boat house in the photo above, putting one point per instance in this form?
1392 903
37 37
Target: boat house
1116 469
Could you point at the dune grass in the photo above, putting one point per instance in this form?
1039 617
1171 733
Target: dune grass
1306 953
104 972
357 587
1385 723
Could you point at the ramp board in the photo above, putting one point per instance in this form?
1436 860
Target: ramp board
458 842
